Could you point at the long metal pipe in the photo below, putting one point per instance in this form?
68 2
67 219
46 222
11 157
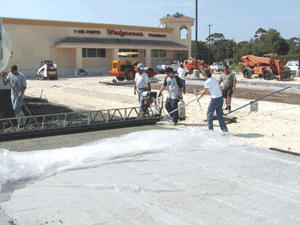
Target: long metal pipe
259 99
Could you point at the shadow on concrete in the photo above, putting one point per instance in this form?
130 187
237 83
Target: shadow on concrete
249 135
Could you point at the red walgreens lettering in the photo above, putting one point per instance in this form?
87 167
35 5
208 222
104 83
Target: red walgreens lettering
124 33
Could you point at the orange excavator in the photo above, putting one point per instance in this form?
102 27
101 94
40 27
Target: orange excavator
266 66
191 62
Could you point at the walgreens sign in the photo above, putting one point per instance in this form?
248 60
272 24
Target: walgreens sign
124 33
120 33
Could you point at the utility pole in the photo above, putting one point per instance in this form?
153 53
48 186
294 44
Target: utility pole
1 49
196 55
226 51
209 43
298 71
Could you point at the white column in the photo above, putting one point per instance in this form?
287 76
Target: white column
115 54
78 60
148 57
78 57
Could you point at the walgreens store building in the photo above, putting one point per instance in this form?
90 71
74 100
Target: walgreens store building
92 46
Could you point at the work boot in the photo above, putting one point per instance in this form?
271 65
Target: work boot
173 123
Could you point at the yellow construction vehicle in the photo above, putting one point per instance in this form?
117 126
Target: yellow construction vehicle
125 69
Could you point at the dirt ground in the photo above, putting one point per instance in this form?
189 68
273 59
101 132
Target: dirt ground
245 93
274 125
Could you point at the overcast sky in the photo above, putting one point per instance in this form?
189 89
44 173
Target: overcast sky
236 19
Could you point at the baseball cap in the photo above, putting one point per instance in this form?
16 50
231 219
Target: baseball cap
140 66
13 67
169 70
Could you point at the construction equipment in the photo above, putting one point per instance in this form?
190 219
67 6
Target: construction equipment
125 69
150 99
75 121
47 70
266 66
191 63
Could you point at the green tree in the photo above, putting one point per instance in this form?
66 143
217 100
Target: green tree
202 50
242 48
181 55
263 42
215 37
269 42
259 32
217 46
294 45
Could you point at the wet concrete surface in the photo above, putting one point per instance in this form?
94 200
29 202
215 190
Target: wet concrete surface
69 140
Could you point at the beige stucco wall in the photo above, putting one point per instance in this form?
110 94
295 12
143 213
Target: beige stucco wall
98 62
177 28
33 44
64 58
34 41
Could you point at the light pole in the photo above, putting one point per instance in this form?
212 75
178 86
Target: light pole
209 43
227 56
298 71
299 53
196 11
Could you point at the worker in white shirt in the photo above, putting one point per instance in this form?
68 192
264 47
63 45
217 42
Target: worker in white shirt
141 83
182 72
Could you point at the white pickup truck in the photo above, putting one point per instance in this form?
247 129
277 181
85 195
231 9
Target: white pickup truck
293 65
217 66
175 65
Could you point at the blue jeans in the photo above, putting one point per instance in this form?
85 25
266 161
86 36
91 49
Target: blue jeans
183 84
172 104
16 104
216 104
140 95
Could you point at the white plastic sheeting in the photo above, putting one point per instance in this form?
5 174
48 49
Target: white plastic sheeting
189 176
5 48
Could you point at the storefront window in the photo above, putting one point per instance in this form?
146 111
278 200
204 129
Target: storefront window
93 53
158 53
101 53
84 53
162 53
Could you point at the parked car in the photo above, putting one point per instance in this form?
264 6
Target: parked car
217 66
175 65
292 65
